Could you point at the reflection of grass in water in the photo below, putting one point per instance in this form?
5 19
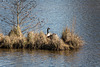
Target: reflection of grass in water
6 63
33 54
37 55
37 51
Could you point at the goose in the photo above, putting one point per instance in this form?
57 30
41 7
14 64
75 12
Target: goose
48 34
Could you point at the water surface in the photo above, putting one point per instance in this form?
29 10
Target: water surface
59 14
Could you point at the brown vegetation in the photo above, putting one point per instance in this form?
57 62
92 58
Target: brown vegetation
41 41
1 37
13 40
73 40
33 40
15 32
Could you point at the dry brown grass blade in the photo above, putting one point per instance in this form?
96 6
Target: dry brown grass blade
73 40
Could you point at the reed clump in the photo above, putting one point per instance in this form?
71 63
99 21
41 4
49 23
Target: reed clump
6 42
63 45
13 40
30 40
41 41
1 37
36 40
15 32
16 40
70 38
57 44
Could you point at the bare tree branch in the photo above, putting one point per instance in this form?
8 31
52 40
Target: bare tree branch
23 18
31 27
29 24
6 7
27 5
4 18
7 22
27 11
21 14
24 32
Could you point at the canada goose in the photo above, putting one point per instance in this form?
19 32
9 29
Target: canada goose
48 34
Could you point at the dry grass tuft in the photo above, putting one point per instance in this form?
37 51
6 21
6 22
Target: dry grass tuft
18 42
40 40
13 42
63 46
1 37
15 32
30 40
33 40
6 42
55 43
73 40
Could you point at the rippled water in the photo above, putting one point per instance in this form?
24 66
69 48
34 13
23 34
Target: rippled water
37 58
59 14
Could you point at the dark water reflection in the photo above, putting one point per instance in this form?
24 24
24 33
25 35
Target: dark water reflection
37 58
59 14
44 58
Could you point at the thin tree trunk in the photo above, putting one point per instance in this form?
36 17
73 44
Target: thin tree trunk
17 14
19 33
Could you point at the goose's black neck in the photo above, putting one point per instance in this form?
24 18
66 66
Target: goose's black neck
48 30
